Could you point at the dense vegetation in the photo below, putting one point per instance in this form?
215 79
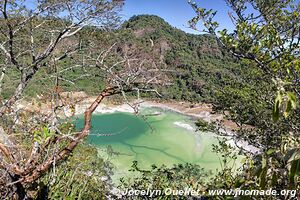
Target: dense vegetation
198 69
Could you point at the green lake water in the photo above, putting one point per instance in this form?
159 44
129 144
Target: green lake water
159 140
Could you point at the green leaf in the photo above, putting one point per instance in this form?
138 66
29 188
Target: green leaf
270 151
276 109
263 174
294 170
293 99
291 103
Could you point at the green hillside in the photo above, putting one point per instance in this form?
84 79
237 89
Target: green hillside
197 68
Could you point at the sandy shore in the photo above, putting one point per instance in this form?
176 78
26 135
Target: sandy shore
197 111
80 102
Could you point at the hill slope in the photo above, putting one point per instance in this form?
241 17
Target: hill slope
198 69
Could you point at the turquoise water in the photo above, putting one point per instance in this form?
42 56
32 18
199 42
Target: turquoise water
123 138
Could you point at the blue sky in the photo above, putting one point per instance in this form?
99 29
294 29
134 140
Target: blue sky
176 12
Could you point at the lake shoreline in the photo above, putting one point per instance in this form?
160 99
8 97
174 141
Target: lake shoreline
195 111
81 101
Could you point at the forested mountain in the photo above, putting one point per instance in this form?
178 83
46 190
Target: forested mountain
194 62
197 68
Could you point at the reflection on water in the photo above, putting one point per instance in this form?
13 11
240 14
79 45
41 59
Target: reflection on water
170 139
163 151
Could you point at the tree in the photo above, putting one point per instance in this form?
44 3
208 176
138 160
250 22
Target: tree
266 37
40 37
43 29
267 33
